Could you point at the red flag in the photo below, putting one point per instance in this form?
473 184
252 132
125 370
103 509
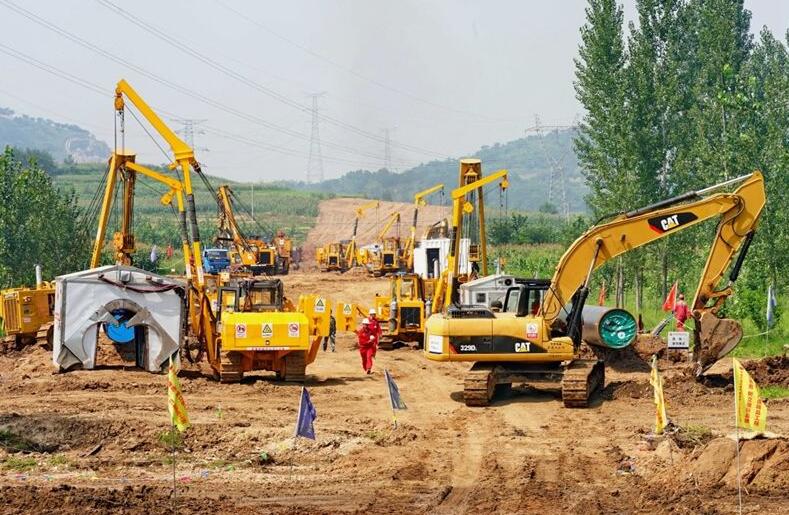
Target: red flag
602 296
671 299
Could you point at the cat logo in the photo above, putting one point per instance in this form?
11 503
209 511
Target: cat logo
670 222
320 305
267 330
522 346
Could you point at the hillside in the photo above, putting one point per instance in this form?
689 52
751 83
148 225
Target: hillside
62 141
528 159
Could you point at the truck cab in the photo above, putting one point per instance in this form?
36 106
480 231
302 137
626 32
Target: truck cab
216 260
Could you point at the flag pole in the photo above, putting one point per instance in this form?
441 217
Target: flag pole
175 491
737 436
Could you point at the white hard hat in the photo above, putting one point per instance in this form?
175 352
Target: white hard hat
365 322
372 311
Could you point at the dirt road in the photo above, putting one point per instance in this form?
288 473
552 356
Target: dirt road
92 442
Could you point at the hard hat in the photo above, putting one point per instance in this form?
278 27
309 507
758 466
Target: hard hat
365 322
372 311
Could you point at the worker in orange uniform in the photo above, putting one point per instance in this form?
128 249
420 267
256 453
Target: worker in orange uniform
681 312
367 342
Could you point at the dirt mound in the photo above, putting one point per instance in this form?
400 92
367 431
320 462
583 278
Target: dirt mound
772 370
336 217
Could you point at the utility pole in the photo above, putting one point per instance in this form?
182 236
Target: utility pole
388 149
315 163
556 178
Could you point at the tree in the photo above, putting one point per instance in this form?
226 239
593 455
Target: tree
39 224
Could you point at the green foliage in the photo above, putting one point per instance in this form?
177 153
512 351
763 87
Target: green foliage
171 439
14 442
534 228
19 464
528 260
774 392
39 224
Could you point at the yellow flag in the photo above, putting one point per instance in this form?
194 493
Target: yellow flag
661 419
175 401
751 411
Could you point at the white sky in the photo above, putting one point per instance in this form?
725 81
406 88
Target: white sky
447 76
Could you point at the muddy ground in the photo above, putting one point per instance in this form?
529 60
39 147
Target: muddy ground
92 441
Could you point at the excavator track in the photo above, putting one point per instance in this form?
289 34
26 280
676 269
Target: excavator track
45 335
479 385
230 367
581 379
295 367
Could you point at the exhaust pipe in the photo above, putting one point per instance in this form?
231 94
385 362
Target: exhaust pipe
39 277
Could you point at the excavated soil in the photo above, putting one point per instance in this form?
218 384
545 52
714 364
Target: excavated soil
336 216
95 441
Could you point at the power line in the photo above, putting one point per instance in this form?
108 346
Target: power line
315 162
169 84
162 35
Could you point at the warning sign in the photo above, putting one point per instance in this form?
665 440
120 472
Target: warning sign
346 309
678 340
267 330
293 330
531 330
241 330
320 305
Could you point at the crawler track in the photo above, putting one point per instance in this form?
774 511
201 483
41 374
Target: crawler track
581 379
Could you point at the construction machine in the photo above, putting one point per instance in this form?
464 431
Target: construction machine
344 255
250 254
411 297
240 323
410 244
541 345
284 253
331 257
384 258
26 314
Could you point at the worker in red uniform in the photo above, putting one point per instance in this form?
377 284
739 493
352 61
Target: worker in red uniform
367 344
681 312
375 326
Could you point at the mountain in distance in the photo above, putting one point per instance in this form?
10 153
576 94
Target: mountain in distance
62 141
530 160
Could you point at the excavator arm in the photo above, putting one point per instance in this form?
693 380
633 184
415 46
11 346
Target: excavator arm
229 225
419 200
738 213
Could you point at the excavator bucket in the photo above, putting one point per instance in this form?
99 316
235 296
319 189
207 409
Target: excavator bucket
715 338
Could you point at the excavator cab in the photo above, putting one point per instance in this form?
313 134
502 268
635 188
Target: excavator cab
252 296
525 298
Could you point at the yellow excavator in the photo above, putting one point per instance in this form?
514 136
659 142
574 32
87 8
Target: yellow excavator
386 258
537 335
251 254
240 323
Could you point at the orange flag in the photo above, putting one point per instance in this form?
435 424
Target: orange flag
671 298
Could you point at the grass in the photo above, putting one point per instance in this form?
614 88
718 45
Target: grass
693 436
14 442
19 464
774 392
172 438
59 460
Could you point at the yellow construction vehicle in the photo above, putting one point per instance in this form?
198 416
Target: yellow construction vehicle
26 314
331 257
283 246
412 298
265 332
344 255
385 257
538 334
351 250
252 254
408 248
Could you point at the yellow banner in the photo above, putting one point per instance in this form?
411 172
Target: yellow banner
661 419
175 401
751 411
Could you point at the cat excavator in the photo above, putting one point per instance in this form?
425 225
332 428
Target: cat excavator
537 335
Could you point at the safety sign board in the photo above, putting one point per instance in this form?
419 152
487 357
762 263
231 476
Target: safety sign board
531 330
241 330
293 330
267 330
346 309
678 340
320 305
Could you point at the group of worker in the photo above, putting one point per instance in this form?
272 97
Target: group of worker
368 334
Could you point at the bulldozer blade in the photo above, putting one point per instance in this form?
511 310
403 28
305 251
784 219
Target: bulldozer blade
716 338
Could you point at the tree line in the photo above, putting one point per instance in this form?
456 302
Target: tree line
684 98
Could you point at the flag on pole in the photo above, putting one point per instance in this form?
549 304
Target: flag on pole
661 419
307 416
175 400
751 410
772 303
602 296
671 298
394 392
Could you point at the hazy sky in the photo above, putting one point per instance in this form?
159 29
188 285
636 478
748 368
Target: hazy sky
445 76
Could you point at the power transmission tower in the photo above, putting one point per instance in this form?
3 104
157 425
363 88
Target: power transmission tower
190 127
388 149
315 163
556 180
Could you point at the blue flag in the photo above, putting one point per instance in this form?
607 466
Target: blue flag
394 392
772 303
307 416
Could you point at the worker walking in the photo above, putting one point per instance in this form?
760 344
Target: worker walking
375 326
331 339
681 312
367 344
